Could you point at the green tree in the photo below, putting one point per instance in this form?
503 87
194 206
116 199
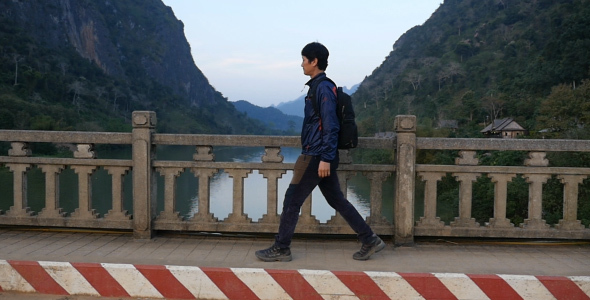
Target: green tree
565 113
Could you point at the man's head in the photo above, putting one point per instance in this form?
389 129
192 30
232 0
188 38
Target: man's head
317 51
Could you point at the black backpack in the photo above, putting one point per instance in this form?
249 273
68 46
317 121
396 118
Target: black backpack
348 135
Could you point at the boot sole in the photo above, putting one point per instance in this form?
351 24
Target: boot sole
272 259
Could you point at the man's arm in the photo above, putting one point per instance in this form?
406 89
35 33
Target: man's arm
330 127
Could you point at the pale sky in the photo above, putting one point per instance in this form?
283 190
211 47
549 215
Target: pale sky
251 50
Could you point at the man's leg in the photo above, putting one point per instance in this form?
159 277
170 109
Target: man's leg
305 179
330 187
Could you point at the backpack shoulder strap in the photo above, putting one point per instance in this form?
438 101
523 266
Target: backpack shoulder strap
312 93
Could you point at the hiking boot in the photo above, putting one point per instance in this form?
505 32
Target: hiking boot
369 249
274 253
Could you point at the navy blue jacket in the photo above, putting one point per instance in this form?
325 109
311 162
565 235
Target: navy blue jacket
319 135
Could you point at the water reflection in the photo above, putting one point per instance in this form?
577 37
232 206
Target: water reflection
255 192
221 193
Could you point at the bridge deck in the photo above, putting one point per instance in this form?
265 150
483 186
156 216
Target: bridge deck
469 257
527 258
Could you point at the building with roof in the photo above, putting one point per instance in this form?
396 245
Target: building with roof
505 128
449 124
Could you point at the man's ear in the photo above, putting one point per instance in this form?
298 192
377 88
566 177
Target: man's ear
314 62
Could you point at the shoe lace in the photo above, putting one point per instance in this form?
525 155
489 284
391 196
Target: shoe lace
365 248
273 249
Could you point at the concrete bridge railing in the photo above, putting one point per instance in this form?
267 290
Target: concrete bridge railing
144 220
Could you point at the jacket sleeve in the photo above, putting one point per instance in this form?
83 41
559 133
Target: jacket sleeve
330 125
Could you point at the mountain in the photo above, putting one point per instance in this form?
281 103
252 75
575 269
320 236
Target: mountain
85 65
478 60
271 117
352 90
295 107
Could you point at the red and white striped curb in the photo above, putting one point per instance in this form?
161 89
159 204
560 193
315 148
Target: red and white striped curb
181 282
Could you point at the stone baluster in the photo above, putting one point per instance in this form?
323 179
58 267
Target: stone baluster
377 178
430 219
237 215
536 159
272 155
570 202
117 212
345 156
343 177
84 210
204 153
272 180
536 181
500 200
306 218
19 171
465 200
535 218
85 151
204 214
170 213
144 181
19 149
52 209
20 207
403 208
466 158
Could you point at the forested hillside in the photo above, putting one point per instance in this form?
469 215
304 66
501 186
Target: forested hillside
86 65
477 60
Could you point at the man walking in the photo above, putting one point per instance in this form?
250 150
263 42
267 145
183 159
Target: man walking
316 166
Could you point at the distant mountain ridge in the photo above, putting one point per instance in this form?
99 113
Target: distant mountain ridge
271 117
295 107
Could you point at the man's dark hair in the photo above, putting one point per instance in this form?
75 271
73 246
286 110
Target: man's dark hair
316 50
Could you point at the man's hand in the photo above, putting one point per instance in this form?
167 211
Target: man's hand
324 169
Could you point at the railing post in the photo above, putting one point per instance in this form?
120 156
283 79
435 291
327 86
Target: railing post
144 185
19 171
403 208
570 202
500 200
430 219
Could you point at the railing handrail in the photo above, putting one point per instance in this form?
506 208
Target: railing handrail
80 137
503 169
67 161
502 144
75 137
255 140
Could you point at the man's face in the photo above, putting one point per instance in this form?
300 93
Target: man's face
308 66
